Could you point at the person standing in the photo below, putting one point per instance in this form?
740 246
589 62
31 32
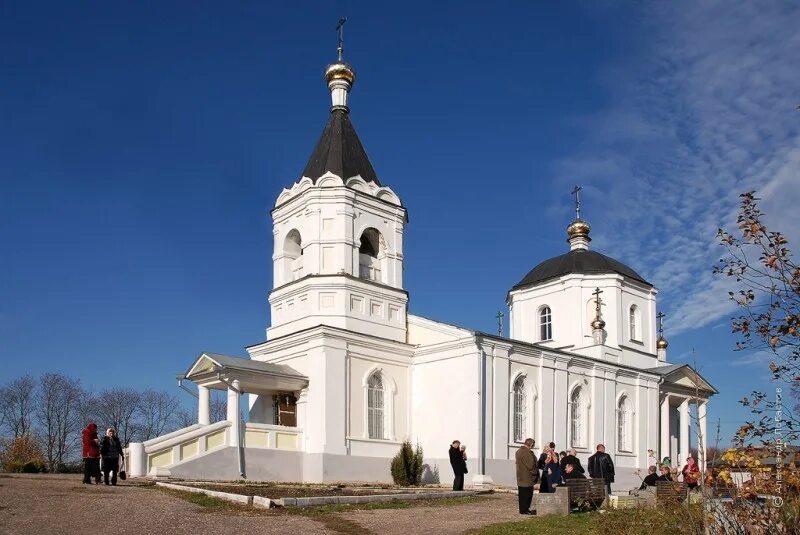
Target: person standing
527 474
544 486
458 460
91 454
602 467
111 450
691 473
553 469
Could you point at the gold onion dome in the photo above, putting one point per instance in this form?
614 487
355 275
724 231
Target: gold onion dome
662 343
340 71
598 324
579 228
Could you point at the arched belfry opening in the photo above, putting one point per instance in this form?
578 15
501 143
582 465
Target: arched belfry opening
293 256
371 251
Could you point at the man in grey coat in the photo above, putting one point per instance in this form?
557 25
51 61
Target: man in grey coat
527 474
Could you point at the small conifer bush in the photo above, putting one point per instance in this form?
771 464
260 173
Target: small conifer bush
406 466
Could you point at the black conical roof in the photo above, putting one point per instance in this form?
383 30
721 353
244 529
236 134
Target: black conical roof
340 152
577 261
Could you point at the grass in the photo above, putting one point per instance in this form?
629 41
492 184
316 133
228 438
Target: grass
394 504
582 523
212 504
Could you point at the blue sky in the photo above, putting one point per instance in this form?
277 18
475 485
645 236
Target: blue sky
142 146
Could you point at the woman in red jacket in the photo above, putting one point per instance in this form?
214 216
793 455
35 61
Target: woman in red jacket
91 454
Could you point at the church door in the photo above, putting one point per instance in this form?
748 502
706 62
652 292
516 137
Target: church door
286 410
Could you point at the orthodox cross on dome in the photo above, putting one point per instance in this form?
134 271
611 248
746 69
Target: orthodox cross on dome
596 293
577 193
340 29
660 316
500 317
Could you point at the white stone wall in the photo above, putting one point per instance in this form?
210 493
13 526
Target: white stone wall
324 284
572 307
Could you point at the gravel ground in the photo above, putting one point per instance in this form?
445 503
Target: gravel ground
62 504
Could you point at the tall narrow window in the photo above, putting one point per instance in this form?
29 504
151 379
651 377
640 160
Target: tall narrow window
520 410
545 324
578 418
632 321
624 421
293 256
369 255
375 406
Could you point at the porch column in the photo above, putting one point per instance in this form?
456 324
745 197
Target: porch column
702 443
234 412
684 432
664 428
302 417
203 405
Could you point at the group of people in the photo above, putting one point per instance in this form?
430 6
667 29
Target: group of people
663 472
109 449
553 469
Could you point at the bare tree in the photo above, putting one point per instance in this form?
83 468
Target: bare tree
117 408
155 414
184 418
218 407
58 410
16 404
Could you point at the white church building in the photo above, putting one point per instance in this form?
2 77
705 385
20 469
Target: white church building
347 372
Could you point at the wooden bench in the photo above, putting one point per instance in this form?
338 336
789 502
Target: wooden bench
586 492
670 491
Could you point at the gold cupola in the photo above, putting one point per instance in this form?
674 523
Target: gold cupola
578 230
340 71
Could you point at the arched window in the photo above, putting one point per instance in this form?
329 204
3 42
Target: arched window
375 406
293 256
624 422
369 255
520 409
545 324
633 322
579 418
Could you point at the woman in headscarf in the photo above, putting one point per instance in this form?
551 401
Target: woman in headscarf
111 451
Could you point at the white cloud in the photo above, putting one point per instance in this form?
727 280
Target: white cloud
710 112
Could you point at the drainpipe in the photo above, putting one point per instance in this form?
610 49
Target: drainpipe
180 379
240 447
482 467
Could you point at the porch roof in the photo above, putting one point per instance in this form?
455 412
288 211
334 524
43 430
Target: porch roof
684 377
217 371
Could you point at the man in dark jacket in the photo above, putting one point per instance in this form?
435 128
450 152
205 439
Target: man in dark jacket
602 467
650 479
459 463
91 454
111 450
572 459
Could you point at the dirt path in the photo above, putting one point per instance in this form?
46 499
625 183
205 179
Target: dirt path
62 504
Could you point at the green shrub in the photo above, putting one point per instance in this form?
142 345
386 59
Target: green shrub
406 466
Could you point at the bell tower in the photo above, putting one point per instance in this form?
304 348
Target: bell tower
338 235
